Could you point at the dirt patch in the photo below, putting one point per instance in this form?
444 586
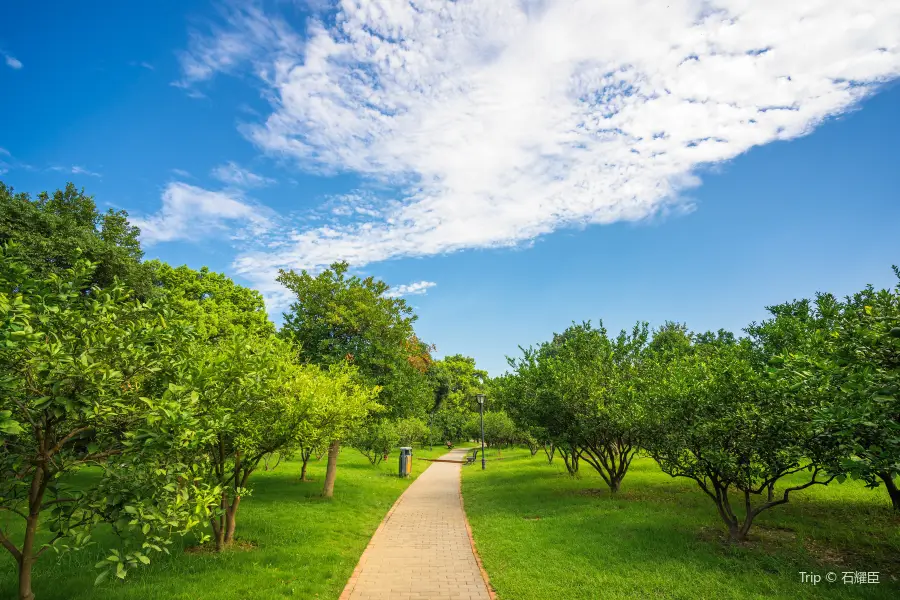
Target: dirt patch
827 555
591 492
210 548
633 495
532 518
761 536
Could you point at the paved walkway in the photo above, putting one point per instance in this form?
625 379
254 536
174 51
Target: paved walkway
422 551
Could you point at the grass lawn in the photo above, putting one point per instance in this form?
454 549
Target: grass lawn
542 534
304 546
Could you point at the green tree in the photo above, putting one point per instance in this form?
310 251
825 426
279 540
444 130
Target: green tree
581 393
852 374
255 400
713 416
411 430
498 428
84 377
211 302
340 319
54 231
375 439
535 398
456 381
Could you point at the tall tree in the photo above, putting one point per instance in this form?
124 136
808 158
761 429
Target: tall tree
338 318
54 231
211 302
455 383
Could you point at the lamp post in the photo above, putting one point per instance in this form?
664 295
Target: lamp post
481 407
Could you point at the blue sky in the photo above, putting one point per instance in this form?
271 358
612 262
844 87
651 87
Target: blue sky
510 166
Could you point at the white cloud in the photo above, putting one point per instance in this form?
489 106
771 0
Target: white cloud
410 289
12 62
498 121
182 173
192 213
9 162
76 170
247 34
233 174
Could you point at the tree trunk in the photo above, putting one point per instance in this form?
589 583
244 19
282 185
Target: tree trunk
231 520
303 468
25 563
891 486
570 457
331 470
218 528
549 453
738 532
27 558
218 524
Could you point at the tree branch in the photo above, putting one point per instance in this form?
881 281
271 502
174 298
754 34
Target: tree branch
10 546
63 441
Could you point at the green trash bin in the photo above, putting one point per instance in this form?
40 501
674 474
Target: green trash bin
405 461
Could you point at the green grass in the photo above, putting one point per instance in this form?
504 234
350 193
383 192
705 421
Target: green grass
542 534
305 546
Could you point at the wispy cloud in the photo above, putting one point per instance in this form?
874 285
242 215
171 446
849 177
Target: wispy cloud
247 33
497 121
182 173
192 213
233 174
8 162
418 288
76 170
11 61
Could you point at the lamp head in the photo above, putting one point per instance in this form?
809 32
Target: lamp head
480 398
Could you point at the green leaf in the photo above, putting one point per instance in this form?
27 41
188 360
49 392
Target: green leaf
103 575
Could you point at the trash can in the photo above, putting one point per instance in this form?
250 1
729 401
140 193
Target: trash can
405 461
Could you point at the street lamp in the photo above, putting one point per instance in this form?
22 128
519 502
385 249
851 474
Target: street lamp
481 407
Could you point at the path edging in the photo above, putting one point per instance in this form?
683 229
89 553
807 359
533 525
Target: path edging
484 575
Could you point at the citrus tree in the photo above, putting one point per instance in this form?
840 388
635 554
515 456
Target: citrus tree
85 381
375 439
855 367
713 416
250 396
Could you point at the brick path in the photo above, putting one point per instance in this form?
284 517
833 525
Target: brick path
422 550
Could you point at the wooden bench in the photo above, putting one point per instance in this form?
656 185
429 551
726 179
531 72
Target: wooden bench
472 457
